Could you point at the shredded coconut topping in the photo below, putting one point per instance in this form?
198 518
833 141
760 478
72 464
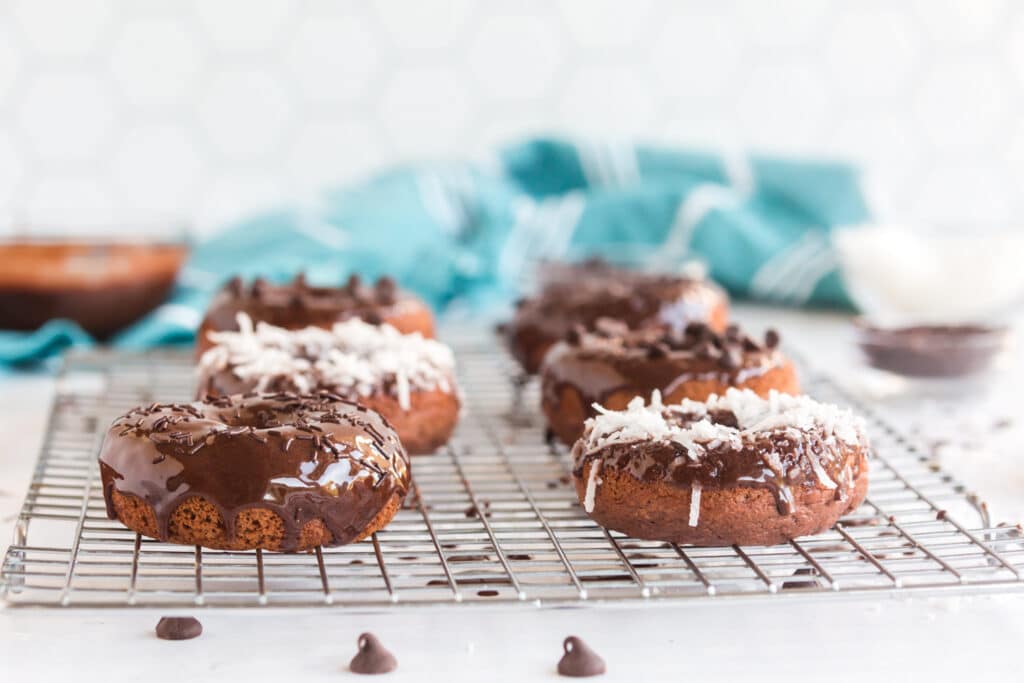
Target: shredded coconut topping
755 416
351 357
695 489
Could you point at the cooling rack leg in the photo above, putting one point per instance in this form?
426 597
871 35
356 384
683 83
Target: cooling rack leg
14 570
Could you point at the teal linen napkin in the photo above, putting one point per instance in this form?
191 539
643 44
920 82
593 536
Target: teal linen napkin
468 236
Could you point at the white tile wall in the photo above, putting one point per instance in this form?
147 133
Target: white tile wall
111 110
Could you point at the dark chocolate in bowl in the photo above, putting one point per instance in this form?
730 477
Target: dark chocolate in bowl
102 286
932 351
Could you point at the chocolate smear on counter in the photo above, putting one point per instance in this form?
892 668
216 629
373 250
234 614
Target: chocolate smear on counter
579 661
372 658
178 628
803 571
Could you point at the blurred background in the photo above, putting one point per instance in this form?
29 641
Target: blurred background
211 110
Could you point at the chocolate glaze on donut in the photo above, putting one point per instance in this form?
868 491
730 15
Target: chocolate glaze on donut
802 454
298 304
612 357
302 457
408 379
597 291
612 364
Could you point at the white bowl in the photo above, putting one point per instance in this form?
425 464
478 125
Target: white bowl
898 276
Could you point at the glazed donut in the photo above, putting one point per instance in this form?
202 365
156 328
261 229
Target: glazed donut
277 472
297 304
404 377
736 469
579 295
612 365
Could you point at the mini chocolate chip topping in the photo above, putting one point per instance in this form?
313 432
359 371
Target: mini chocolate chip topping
728 350
372 658
578 660
178 628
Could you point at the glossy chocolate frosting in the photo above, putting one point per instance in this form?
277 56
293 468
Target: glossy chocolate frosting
302 457
611 358
298 304
582 294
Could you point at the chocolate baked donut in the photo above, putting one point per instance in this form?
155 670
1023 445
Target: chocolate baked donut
404 377
612 365
278 472
297 304
581 294
736 469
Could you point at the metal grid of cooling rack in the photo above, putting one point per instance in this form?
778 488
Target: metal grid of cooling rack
493 519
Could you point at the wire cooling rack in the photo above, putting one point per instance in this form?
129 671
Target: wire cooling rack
493 519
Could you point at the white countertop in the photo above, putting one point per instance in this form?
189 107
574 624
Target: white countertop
893 639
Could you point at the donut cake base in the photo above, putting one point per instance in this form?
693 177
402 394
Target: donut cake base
497 486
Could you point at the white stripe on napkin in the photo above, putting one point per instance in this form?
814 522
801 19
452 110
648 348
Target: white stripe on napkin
691 211
180 315
778 273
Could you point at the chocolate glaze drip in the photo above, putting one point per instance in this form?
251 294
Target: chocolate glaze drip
578 660
372 658
298 304
777 461
581 294
611 358
303 457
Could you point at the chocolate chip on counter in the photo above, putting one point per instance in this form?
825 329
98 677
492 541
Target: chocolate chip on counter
178 628
578 660
373 318
235 286
372 658
259 286
771 338
300 281
353 283
732 332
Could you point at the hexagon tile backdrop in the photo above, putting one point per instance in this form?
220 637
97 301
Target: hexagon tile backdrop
115 111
